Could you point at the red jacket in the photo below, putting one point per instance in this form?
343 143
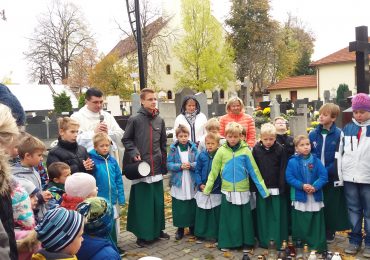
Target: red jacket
244 120
70 203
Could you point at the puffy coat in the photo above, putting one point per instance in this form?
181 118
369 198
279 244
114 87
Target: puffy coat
202 170
108 177
174 163
69 153
305 171
235 168
331 145
96 248
145 135
244 120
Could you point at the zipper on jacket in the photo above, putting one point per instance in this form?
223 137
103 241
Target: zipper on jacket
234 171
151 147
106 165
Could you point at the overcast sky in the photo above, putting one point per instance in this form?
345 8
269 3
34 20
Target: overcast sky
332 22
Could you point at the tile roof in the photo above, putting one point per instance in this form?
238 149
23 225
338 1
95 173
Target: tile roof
128 45
341 56
305 81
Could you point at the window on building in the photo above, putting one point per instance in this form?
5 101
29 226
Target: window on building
169 94
222 93
168 69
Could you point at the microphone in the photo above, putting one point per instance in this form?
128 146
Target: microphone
101 118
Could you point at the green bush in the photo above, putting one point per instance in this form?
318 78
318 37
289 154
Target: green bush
62 103
81 100
342 88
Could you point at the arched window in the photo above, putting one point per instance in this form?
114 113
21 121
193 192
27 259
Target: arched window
222 93
168 69
169 94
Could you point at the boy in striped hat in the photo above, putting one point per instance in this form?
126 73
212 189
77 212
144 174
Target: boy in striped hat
60 234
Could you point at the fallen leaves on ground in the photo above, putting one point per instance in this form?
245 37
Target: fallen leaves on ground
209 257
210 245
138 254
228 254
192 239
186 250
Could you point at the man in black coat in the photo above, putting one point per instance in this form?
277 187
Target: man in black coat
145 140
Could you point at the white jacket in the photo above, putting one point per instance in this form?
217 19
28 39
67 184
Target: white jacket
200 121
88 121
354 155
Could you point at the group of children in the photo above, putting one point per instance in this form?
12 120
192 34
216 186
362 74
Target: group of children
75 179
232 195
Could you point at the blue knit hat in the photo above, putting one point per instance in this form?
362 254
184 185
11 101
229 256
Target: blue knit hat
99 216
59 228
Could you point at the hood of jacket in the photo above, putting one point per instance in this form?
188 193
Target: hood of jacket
91 246
182 111
43 254
147 113
95 156
366 123
5 175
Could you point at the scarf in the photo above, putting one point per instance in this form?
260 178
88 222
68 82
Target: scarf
190 117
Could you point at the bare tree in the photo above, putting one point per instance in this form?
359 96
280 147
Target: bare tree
156 37
60 36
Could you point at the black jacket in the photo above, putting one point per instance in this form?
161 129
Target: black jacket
287 142
271 163
145 135
69 153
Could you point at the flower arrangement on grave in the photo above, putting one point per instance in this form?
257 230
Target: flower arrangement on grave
261 116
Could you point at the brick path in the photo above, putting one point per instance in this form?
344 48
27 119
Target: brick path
187 249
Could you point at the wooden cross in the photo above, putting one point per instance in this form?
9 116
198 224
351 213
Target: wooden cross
362 48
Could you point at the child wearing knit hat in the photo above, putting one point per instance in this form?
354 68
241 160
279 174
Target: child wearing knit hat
78 187
97 241
354 172
60 234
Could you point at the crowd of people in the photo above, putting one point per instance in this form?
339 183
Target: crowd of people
226 187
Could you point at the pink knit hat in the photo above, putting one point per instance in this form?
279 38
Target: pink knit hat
361 101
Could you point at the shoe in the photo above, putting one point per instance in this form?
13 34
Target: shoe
246 257
179 234
224 249
141 243
164 235
330 237
247 249
199 240
121 252
191 231
352 249
366 252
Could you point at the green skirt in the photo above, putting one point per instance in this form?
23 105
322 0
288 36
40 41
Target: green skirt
310 228
145 216
272 220
183 212
236 225
335 211
206 222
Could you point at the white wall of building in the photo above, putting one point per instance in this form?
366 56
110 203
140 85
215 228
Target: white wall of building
310 93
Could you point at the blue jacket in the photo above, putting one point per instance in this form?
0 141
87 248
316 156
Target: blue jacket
305 171
174 163
202 170
96 248
332 141
108 177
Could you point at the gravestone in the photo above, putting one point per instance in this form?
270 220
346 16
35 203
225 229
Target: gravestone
114 105
316 104
298 104
202 99
362 48
298 125
274 109
326 96
279 98
179 97
136 104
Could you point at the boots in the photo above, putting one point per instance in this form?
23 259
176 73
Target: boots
179 234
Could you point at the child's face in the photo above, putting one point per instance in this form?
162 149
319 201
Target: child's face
34 201
211 145
12 148
75 245
361 115
33 159
70 134
303 147
103 147
243 137
232 139
213 130
63 176
280 125
183 138
325 119
268 140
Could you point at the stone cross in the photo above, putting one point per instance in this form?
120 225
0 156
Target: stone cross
274 109
47 121
362 48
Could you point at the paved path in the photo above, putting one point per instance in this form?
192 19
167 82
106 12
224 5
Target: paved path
187 249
